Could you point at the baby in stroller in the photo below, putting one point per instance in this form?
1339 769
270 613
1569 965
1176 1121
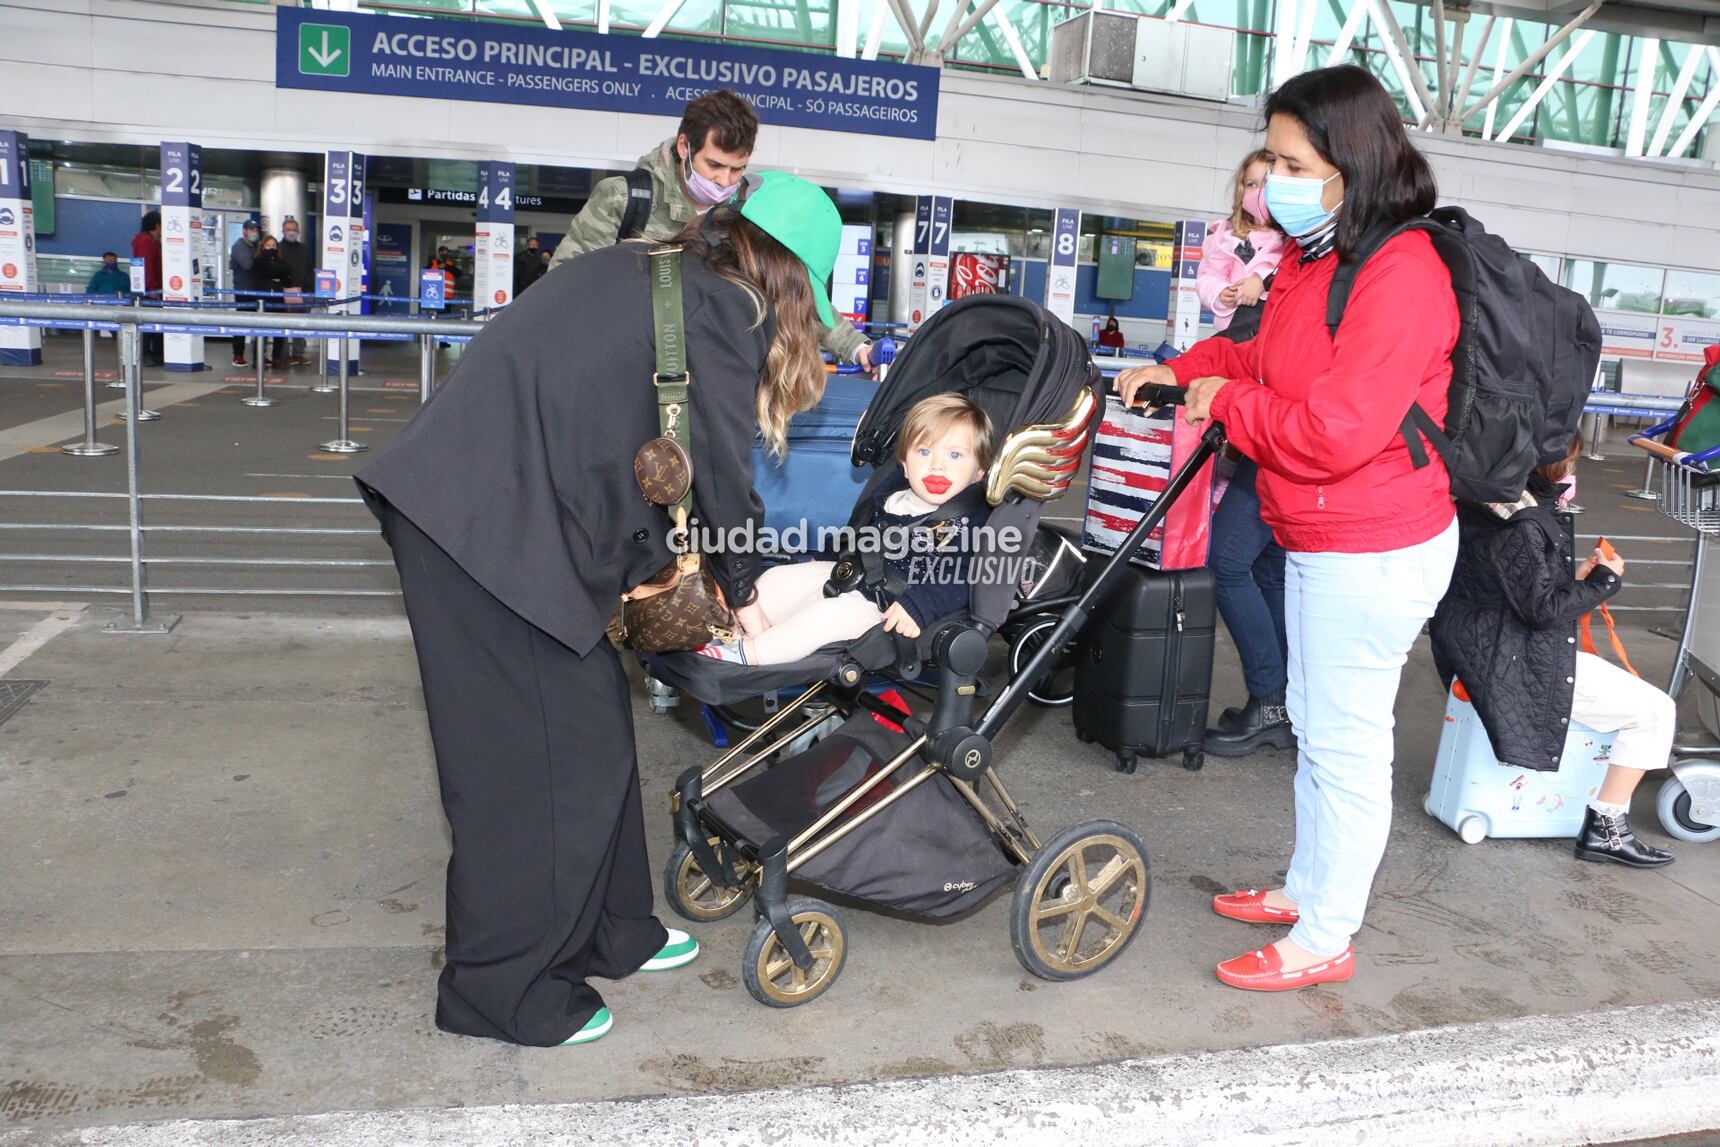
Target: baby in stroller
944 448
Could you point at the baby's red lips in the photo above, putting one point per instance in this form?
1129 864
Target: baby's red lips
935 484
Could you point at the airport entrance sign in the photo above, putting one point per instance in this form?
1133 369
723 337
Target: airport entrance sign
455 60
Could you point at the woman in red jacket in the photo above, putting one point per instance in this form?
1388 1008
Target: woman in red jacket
1371 539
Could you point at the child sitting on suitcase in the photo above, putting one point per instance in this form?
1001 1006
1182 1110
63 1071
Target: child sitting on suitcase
1508 630
944 448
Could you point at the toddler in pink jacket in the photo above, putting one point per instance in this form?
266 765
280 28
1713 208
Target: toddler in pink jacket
1241 252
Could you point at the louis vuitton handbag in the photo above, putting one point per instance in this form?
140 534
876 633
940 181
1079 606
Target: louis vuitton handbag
681 607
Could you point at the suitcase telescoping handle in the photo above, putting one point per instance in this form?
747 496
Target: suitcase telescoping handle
1075 617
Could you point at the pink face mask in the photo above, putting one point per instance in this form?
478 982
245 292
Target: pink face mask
1254 202
705 192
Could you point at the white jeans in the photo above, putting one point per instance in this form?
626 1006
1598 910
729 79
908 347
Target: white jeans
1609 700
1351 620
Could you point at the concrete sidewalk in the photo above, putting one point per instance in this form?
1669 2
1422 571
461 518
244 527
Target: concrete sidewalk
1550 1081
223 900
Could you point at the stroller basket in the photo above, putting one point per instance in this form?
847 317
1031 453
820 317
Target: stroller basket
932 856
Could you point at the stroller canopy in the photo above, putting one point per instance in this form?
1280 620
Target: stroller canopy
1014 358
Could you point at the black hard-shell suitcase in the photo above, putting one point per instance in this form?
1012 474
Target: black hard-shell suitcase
1143 669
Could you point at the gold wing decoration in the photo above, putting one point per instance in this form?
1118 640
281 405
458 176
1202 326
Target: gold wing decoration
1040 461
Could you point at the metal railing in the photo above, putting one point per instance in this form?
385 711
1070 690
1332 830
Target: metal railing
131 323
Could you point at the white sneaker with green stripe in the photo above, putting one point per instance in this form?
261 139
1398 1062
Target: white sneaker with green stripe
595 1028
680 951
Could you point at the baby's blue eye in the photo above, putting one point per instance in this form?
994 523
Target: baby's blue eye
955 455
924 452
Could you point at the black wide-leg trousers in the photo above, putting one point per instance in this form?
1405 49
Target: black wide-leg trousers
548 882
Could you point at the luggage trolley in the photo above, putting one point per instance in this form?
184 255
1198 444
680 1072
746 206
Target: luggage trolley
1689 488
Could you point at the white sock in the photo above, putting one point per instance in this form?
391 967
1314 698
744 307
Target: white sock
721 651
1605 809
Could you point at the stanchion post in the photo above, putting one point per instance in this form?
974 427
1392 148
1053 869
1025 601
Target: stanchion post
258 399
426 367
130 363
1648 493
1597 438
134 411
89 447
343 444
119 383
323 386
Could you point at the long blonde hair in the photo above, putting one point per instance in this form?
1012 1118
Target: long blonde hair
1241 222
736 249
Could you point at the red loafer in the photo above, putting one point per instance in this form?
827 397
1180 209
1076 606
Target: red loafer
1250 907
1263 971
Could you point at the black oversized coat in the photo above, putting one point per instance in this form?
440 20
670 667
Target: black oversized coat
521 465
1508 625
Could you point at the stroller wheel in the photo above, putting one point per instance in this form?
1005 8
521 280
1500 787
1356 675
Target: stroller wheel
1081 901
772 977
1057 686
694 895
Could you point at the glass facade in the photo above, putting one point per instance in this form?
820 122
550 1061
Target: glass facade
1589 104
1617 286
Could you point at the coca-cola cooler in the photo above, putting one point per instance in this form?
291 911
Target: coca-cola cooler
972 274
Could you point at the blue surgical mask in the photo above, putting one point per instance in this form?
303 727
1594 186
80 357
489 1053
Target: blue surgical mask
1295 204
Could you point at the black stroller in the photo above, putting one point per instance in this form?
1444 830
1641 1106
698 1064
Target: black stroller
900 809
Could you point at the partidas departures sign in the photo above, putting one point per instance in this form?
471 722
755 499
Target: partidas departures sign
440 59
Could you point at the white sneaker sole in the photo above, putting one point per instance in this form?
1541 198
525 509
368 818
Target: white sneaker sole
669 963
587 1036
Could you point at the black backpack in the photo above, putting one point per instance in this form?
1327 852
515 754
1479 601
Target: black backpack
1524 363
640 194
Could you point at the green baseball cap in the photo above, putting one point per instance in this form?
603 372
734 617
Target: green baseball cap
800 216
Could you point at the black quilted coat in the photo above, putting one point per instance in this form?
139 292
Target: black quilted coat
1508 625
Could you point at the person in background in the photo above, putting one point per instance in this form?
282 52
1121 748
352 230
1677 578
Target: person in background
1508 630
109 278
528 268
690 173
1112 336
1240 254
444 263
269 271
146 245
239 261
1370 536
296 254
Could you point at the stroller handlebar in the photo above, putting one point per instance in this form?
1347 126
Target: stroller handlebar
1159 394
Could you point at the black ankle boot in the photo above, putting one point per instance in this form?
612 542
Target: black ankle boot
1228 721
1610 838
1261 722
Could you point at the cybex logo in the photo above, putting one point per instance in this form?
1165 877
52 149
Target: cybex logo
960 886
